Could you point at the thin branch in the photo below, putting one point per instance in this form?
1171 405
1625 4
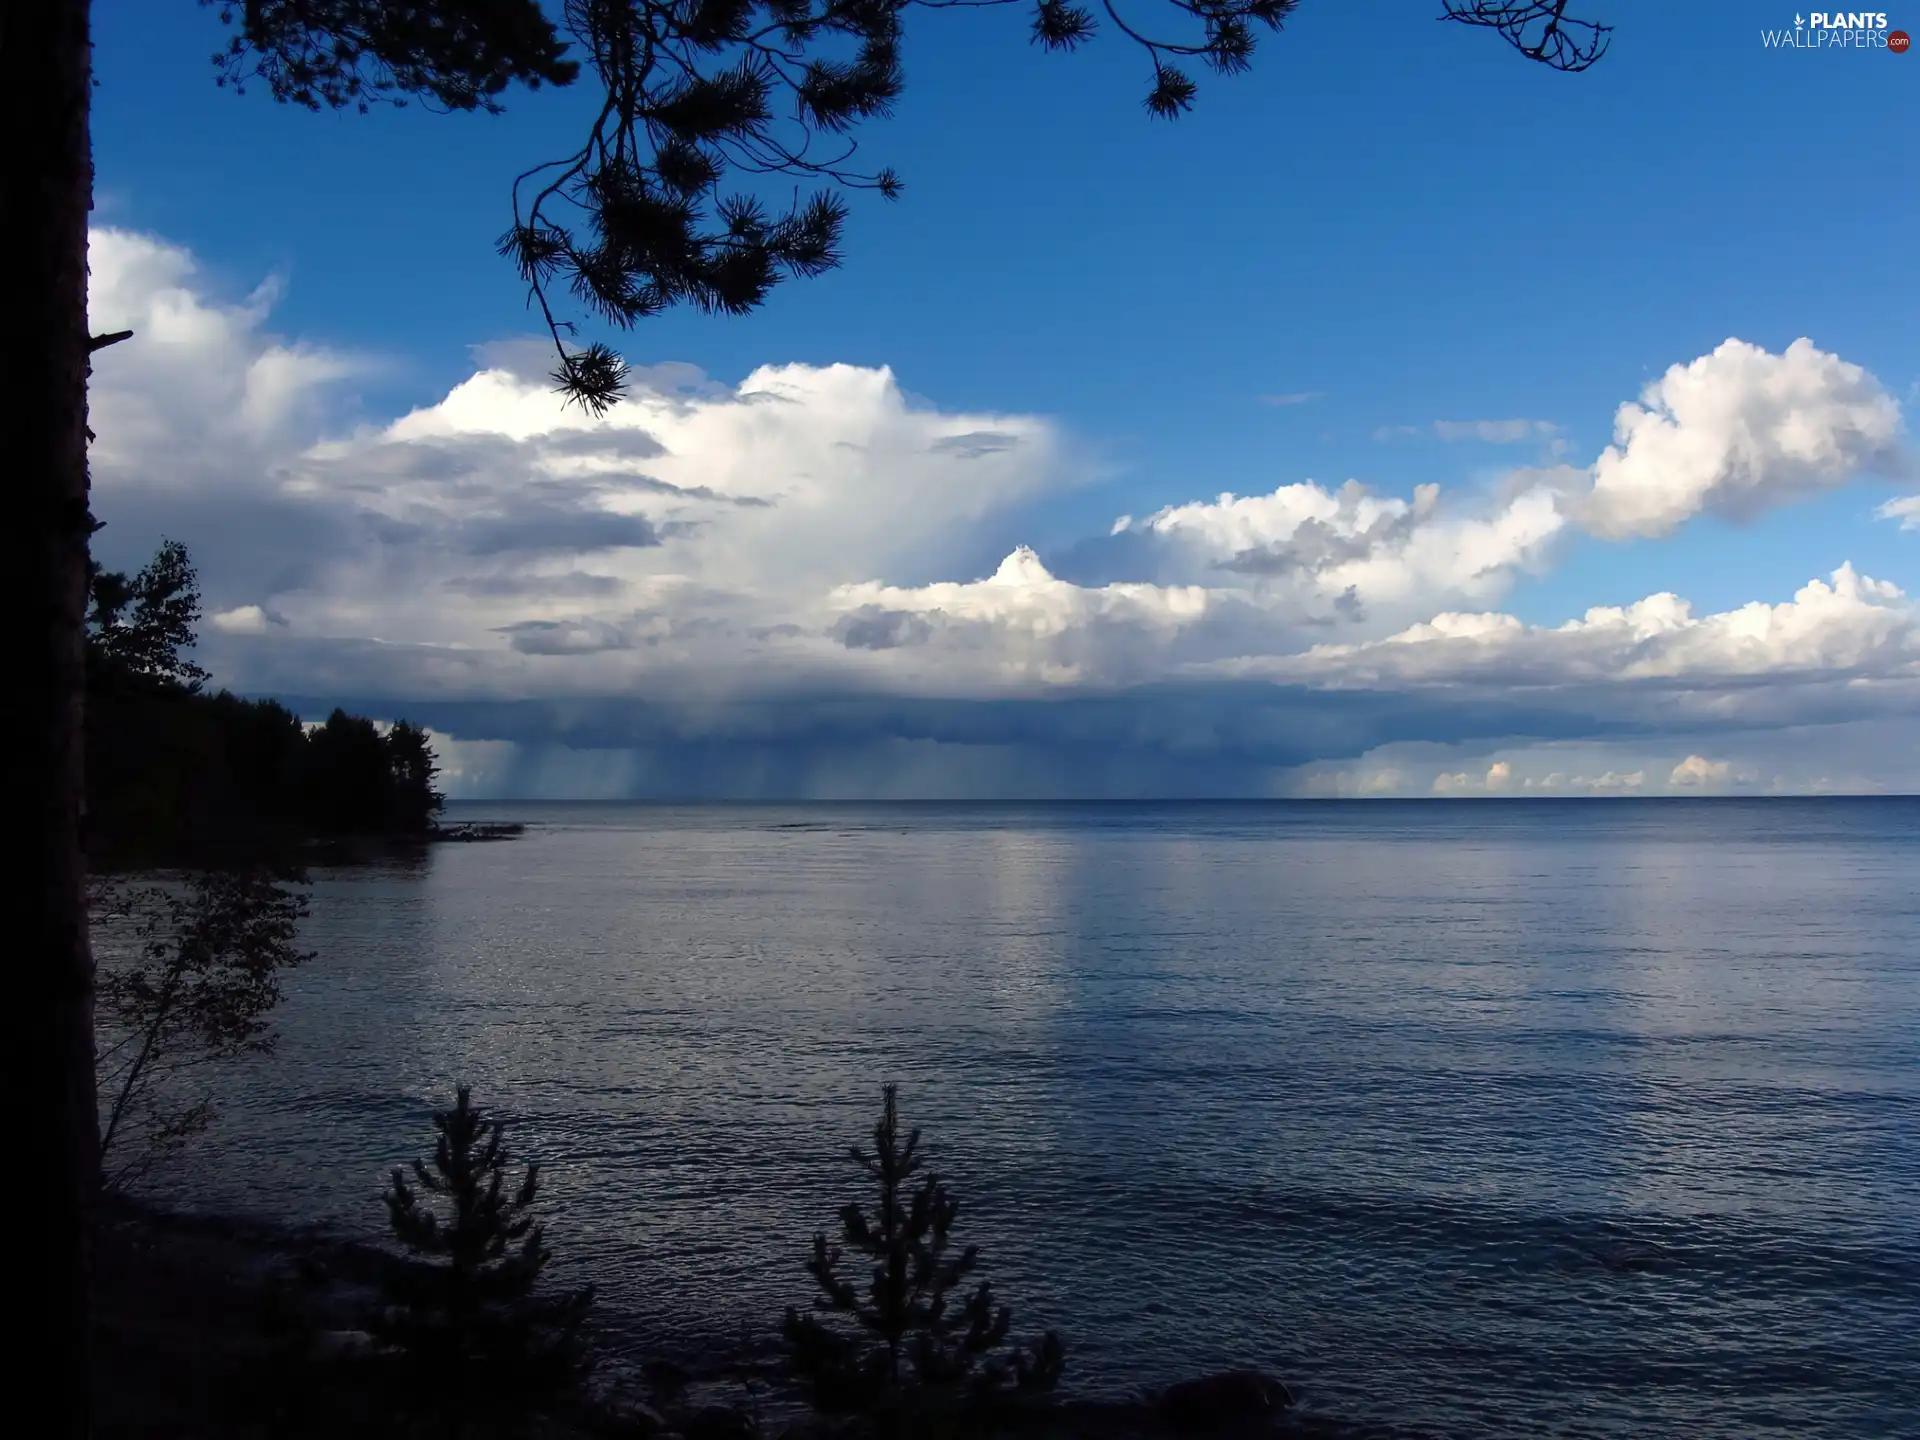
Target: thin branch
1538 29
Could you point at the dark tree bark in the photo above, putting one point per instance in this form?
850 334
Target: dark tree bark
46 62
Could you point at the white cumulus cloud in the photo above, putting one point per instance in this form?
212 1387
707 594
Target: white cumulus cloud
1350 554
1737 432
1846 625
244 620
201 379
1698 771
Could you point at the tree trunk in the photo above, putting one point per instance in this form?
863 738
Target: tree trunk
45 78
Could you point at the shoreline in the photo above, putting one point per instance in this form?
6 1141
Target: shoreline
217 1326
468 832
296 850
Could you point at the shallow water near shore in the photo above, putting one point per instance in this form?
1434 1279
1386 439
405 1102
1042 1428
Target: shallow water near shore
1473 1118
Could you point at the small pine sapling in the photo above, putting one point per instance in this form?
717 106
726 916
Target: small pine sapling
913 1341
463 1310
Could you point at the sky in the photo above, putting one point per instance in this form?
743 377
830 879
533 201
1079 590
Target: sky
1407 420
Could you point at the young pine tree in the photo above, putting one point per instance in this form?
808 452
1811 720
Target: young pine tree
913 1337
464 1311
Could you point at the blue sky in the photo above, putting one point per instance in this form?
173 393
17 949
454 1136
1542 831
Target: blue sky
1391 224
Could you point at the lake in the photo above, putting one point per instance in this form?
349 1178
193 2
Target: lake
1494 1118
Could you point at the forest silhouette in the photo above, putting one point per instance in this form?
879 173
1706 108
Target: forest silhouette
177 774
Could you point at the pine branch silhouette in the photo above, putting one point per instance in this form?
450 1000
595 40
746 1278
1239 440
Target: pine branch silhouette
661 203
914 1336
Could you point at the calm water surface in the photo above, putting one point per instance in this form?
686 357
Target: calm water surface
1479 1119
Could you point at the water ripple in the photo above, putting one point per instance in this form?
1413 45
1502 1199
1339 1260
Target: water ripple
1471 1120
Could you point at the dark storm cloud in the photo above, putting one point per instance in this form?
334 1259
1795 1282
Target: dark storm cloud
1201 741
483 496
1192 738
530 517
389 531
564 637
625 443
574 586
1134 557
437 460
873 627
974 444
555 528
245 544
691 492
1315 545
465 465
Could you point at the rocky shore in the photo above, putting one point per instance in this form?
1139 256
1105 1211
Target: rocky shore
219 1329
470 831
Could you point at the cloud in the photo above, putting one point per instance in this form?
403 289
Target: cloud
1849 633
200 379
566 584
1494 432
781 585
1022 624
974 444
1296 397
565 637
776 486
1610 783
1848 757
1485 432
1697 770
245 620
873 627
1738 432
192 414
1501 779
701 525
1906 510
1354 784
1316 556
1497 780
568 529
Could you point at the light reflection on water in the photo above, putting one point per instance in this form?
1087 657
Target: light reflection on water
1487 1119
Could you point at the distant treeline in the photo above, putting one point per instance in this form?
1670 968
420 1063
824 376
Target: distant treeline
174 772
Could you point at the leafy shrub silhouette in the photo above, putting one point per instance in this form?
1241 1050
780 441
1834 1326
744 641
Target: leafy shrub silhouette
196 988
912 1348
